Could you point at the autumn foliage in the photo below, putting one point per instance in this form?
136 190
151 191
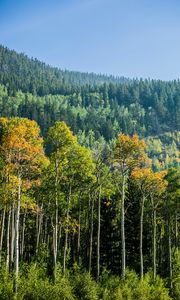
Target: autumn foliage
102 210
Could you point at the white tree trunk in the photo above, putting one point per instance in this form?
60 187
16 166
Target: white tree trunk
141 238
91 234
23 231
98 233
2 232
66 233
123 246
170 255
12 235
8 234
17 234
154 244
79 233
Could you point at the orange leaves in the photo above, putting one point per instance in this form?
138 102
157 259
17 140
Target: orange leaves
131 143
149 181
21 149
21 145
159 181
141 175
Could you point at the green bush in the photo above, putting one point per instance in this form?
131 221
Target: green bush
36 286
132 288
6 285
176 276
85 287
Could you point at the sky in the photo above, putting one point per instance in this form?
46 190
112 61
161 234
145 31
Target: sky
131 38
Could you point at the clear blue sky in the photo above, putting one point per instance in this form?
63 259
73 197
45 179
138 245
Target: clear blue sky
132 38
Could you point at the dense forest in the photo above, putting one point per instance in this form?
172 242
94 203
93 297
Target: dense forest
90 184
106 106
30 75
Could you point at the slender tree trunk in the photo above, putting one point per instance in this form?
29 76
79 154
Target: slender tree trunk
91 233
65 246
73 247
2 232
66 232
23 231
79 233
176 233
123 247
87 225
170 254
39 228
17 234
98 234
12 235
8 244
56 218
45 230
154 243
141 238
161 247
59 238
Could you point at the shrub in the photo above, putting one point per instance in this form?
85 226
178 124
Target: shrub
132 288
85 287
36 286
6 284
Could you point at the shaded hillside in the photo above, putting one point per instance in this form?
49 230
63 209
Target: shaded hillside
18 72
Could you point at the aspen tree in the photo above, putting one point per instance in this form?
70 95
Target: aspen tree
22 150
128 153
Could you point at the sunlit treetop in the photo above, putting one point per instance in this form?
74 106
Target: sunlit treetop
129 151
149 181
21 145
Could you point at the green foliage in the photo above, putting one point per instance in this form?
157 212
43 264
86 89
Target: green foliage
6 284
132 288
39 75
164 150
176 275
98 104
85 287
96 108
34 284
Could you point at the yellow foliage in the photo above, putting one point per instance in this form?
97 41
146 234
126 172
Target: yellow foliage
149 181
129 151
21 145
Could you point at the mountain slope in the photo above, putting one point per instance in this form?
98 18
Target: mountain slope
18 72
86 102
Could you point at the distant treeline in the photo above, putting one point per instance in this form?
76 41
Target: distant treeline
19 72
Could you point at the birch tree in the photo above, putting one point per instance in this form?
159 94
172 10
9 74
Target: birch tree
128 153
22 150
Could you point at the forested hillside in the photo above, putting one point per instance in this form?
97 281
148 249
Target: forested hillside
89 184
96 111
105 105
19 72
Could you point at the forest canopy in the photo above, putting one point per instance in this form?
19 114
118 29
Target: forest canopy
100 211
